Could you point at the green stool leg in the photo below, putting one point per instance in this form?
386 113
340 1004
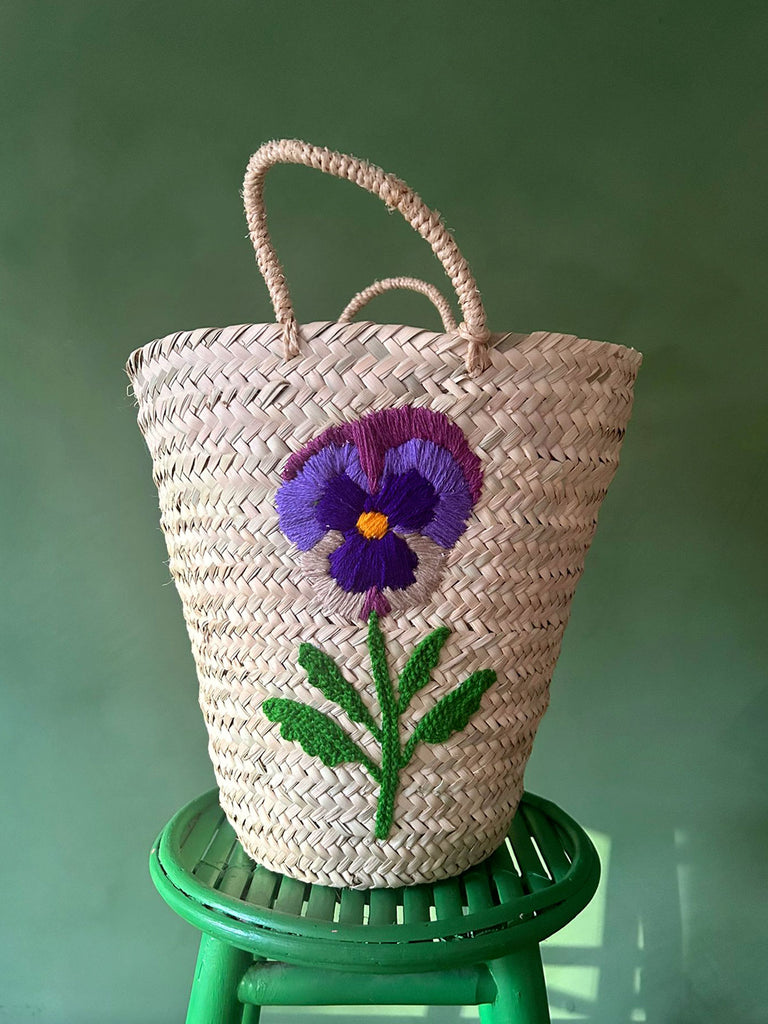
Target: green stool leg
213 999
521 995
251 1014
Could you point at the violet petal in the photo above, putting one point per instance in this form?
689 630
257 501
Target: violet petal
359 564
340 504
296 498
438 466
407 500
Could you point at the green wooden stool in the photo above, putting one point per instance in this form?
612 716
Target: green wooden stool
269 940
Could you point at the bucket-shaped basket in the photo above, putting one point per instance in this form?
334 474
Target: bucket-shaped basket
376 532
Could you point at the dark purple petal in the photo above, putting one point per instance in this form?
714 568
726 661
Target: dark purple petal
377 432
438 466
355 565
433 462
358 564
399 562
407 500
340 504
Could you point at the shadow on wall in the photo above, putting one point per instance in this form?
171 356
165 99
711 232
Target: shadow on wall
622 960
609 966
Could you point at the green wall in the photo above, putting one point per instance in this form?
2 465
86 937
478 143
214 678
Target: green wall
603 166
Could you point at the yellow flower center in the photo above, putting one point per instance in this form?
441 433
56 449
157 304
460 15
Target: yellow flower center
372 525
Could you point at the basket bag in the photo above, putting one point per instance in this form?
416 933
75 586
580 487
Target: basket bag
376 532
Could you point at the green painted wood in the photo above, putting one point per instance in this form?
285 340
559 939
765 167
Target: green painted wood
279 984
174 866
477 886
237 874
214 860
500 915
264 884
549 841
505 876
534 873
352 906
221 846
383 906
290 896
385 958
448 902
322 903
219 970
521 993
197 838
417 900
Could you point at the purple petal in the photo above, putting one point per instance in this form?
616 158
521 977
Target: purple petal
340 504
359 564
399 562
429 571
380 431
295 503
407 500
296 498
449 520
433 462
334 437
355 565
331 461
438 466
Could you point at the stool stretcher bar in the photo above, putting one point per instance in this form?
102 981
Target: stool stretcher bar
279 984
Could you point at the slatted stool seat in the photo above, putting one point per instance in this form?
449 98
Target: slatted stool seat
269 940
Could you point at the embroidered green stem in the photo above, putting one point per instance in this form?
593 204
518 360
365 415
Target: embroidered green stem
320 735
390 729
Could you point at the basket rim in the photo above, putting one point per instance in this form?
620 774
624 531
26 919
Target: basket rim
176 340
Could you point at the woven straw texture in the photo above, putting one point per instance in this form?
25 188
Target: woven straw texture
414 284
222 412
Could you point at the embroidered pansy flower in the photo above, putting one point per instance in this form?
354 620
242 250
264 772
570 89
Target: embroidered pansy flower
375 505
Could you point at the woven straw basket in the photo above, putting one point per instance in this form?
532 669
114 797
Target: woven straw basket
376 532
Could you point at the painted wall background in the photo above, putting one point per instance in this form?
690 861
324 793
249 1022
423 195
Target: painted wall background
603 167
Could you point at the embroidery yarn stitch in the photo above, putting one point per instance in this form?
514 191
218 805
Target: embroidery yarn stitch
322 736
375 505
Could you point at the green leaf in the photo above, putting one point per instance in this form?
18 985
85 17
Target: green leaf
418 670
318 734
323 672
452 712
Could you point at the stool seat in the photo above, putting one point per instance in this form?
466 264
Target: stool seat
537 880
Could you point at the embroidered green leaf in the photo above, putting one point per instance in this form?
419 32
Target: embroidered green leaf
419 667
323 672
318 734
451 713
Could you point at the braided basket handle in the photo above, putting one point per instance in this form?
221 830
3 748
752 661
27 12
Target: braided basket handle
397 196
388 284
